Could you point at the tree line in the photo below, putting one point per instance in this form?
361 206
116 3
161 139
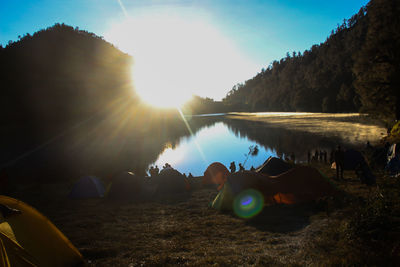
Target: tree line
355 69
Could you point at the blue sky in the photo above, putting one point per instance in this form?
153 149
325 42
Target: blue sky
260 31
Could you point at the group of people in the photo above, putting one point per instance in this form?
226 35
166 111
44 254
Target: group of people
337 156
319 155
232 167
154 171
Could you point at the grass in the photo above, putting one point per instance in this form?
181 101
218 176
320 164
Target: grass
359 228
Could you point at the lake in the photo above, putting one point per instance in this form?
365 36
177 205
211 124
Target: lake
228 137
107 146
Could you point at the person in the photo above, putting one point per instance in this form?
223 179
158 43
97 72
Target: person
339 160
151 171
325 156
252 168
241 168
293 157
316 155
308 156
190 175
232 167
167 165
156 171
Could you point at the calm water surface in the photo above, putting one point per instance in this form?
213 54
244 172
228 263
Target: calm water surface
228 138
210 144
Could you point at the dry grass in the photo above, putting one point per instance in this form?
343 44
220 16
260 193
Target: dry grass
187 232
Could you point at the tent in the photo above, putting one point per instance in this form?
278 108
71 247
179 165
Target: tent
87 187
274 166
27 238
300 184
392 151
393 166
126 185
216 174
170 181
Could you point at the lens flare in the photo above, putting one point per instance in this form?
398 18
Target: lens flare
248 203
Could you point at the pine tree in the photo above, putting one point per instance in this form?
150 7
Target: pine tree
377 65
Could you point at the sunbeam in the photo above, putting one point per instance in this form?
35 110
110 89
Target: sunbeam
123 8
191 133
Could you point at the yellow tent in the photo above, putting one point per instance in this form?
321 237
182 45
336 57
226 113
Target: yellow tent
27 238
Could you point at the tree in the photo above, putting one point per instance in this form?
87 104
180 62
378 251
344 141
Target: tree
377 65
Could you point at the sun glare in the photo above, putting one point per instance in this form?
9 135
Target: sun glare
178 56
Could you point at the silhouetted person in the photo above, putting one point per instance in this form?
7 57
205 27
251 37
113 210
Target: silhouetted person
308 156
321 155
190 175
241 168
339 160
232 167
325 156
167 165
156 170
316 155
252 169
151 171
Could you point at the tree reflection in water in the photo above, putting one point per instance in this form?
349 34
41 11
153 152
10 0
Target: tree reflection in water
275 136
108 145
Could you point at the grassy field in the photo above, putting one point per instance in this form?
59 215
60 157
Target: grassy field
187 232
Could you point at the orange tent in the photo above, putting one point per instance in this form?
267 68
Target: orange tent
274 166
300 184
216 173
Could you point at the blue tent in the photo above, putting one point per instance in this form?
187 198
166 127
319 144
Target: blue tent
87 187
393 166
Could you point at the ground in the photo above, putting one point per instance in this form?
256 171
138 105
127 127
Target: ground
187 232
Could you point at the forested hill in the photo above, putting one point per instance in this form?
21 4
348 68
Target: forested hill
60 74
356 69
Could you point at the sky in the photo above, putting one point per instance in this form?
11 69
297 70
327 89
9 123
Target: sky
201 47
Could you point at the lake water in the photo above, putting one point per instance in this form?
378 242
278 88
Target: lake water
106 147
228 137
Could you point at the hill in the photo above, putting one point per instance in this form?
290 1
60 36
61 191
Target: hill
69 108
355 69
61 74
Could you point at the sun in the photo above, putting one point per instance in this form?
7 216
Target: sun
177 56
159 88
